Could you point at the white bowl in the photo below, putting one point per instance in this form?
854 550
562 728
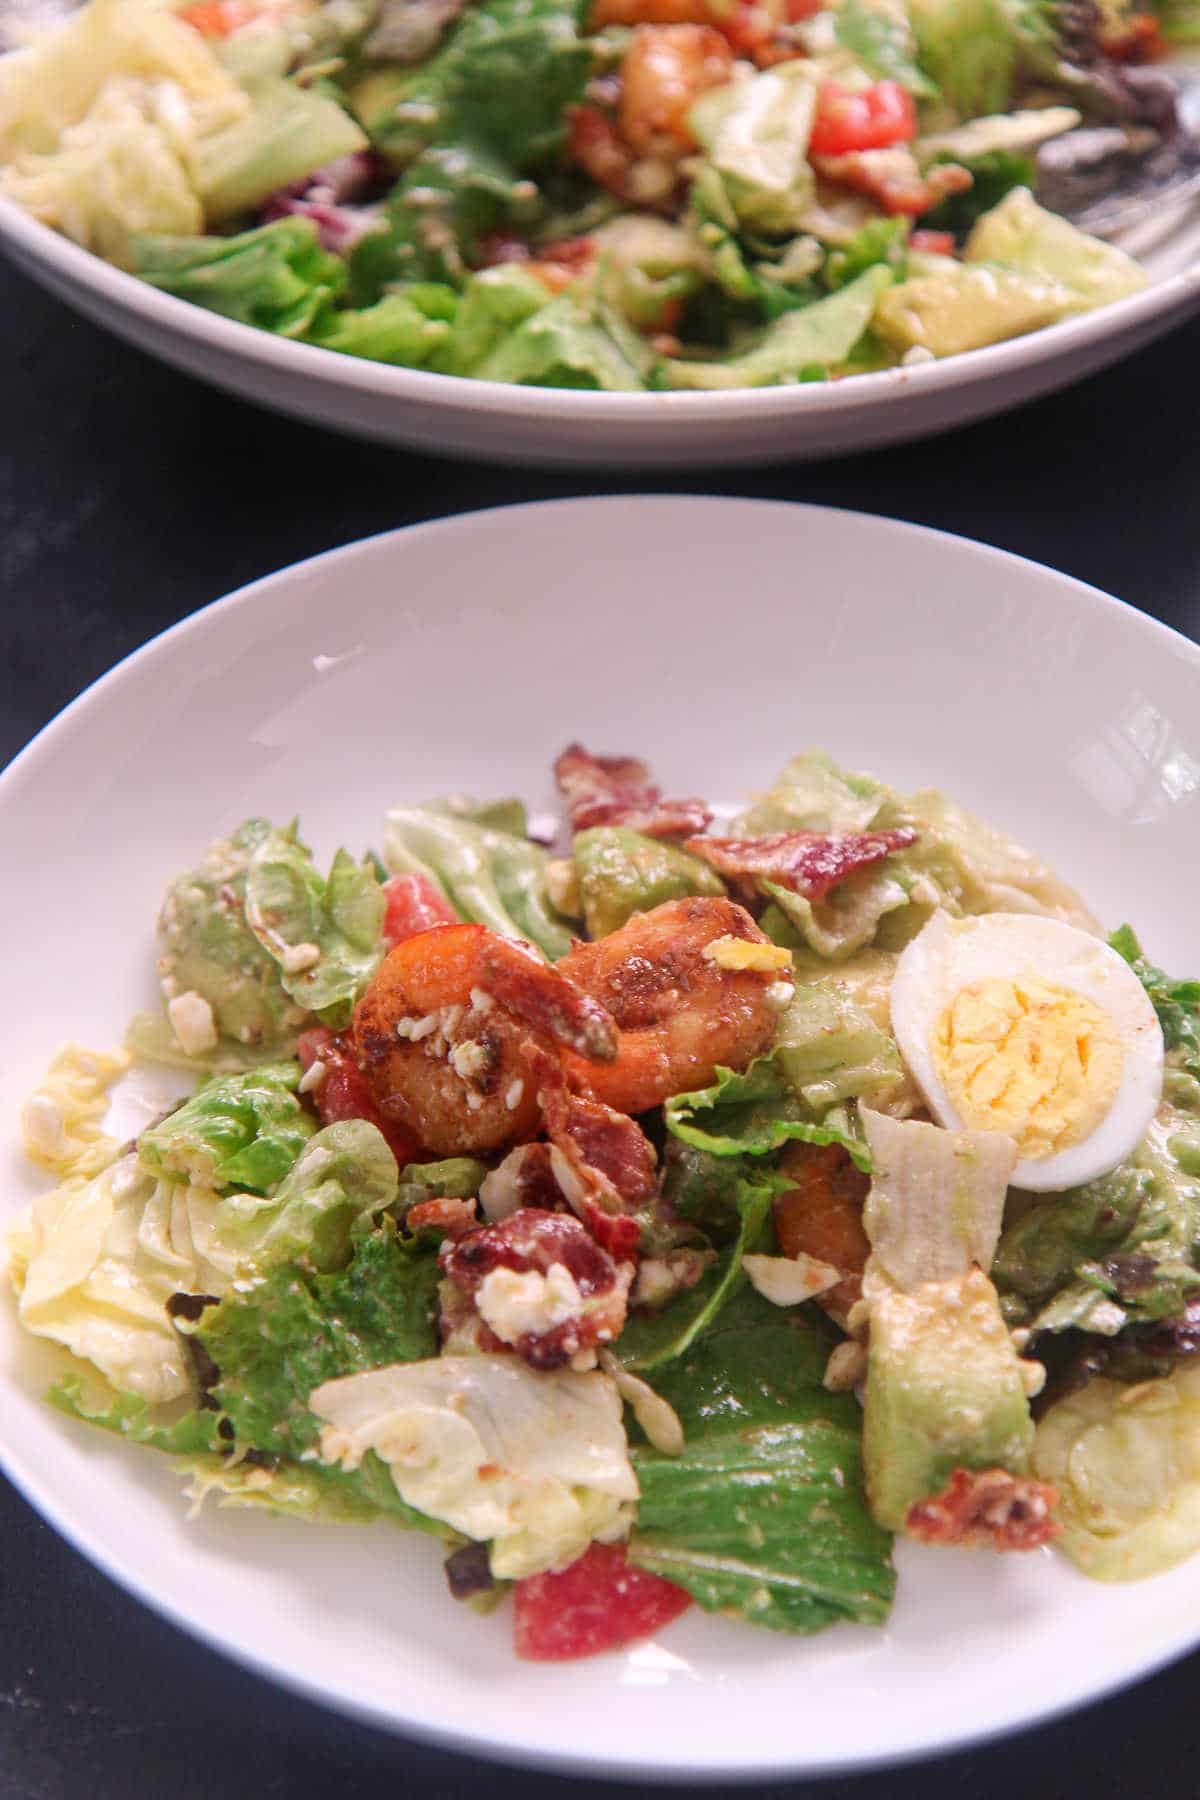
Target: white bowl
715 637
514 424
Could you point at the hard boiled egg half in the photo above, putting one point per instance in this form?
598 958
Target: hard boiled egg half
1014 1023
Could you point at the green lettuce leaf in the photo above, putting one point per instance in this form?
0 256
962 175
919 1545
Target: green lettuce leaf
394 330
237 1131
1177 1003
821 336
763 1513
326 935
994 174
650 1339
277 277
289 132
878 241
1120 1249
880 35
190 1434
572 343
489 876
969 50
344 1175
494 302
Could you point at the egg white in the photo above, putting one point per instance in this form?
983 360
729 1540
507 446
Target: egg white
952 954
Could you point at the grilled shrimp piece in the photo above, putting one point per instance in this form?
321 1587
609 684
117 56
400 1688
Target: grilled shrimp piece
664 70
438 1035
682 1009
822 1216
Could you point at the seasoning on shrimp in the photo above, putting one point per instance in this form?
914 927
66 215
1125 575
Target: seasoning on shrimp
680 1015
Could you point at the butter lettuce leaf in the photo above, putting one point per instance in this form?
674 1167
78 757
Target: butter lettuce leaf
237 1131
326 936
343 1177
878 33
276 276
763 1513
489 876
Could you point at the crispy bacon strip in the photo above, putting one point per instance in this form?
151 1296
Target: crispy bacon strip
525 986
606 1163
894 179
617 790
454 1217
987 1509
532 1240
809 862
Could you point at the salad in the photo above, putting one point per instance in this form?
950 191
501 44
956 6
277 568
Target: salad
604 194
669 1215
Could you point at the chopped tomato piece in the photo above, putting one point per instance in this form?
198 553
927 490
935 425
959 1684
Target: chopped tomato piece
343 1092
217 18
413 906
875 119
599 1603
1138 39
935 243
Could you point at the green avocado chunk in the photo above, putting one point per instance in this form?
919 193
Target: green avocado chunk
944 1392
621 873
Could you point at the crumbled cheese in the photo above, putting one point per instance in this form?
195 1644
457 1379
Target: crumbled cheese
519 1304
474 1100
297 958
562 887
656 1416
916 355
192 1022
43 1128
789 1280
1033 1376
469 1059
312 1077
513 1093
655 1282
737 953
481 1001
780 994
423 1028
847 1366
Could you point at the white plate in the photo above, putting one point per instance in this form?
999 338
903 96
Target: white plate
513 424
716 637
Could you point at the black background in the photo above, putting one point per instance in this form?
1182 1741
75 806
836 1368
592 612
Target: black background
130 496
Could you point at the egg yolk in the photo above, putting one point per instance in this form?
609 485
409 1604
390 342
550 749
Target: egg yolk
1020 1055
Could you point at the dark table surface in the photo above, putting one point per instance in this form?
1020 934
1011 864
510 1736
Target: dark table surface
129 496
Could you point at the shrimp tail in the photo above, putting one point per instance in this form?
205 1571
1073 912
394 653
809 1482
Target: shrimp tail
548 1002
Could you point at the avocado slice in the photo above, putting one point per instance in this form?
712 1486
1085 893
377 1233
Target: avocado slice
621 873
955 307
1020 236
944 1392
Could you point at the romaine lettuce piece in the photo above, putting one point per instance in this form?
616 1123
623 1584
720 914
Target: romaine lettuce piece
54 83
757 1113
813 794
536 1463
115 174
491 877
276 276
1124 1461
848 918
1121 1248
394 330
94 1263
326 936
1020 237
822 335
754 132
237 1131
343 1177
762 1513
289 132
879 35
621 873
830 1050
651 1339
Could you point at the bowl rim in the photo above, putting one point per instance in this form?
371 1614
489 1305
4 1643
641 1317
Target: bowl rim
74 266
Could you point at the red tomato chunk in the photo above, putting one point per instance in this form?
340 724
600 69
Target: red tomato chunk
874 119
599 1603
413 906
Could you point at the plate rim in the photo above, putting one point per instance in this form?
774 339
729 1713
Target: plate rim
332 371
1078 1694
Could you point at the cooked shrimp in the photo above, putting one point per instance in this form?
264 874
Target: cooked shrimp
822 1216
681 1014
665 69
439 1031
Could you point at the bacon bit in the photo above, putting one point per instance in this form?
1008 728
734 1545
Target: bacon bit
525 986
453 1217
822 1217
893 178
934 243
594 142
808 862
987 1509
531 1240
574 254
607 1150
1137 40
617 790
